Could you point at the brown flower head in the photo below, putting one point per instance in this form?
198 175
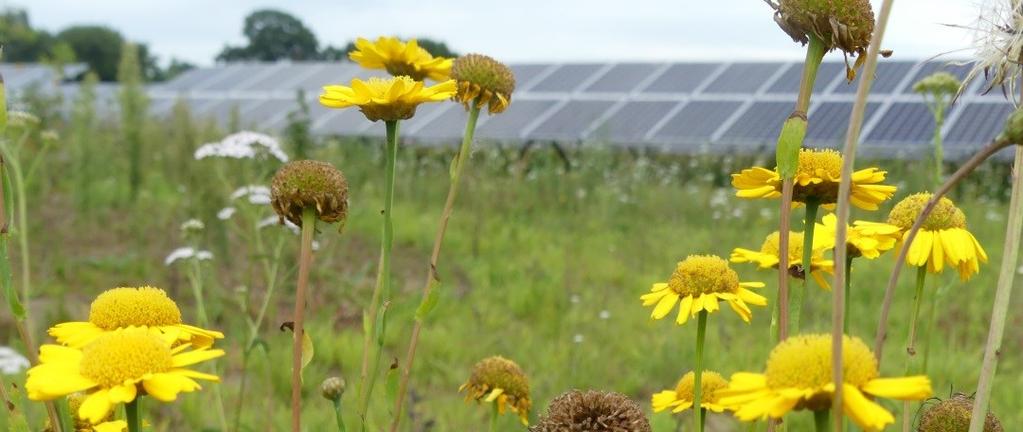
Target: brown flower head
483 81
592 411
307 183
501 381
953 415
841 24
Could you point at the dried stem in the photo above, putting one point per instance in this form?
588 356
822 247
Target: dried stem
852 138
305 261
431 273
1010 255
882 327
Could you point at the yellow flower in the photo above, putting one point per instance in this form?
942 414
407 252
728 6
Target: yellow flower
767 256
681 398
697 284
388 99
81 425
942 239
483 81
863 238
798 376
816 180
501 381
400 58
144 307
114 367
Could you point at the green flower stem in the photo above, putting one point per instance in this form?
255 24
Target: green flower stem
493 417
64 414
373 325
701 333
921 276
821 418
131 413
304 263
932 306
1006 274
939 153
429 296
799 294
338 415
848 291
20 202
196 280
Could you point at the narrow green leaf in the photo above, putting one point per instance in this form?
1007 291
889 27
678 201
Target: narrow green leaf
391 386
789 142
430 301
307 352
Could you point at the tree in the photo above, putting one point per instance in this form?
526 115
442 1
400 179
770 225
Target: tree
22 43
273 35
98 46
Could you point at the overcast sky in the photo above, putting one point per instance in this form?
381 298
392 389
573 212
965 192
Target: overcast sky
513 31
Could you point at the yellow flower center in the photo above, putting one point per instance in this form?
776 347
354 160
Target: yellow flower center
712 381
804 362
381 86
944 216
772 245
499 372
814 162
121 356
703 274
124 307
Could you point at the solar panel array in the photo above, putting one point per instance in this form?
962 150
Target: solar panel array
679 107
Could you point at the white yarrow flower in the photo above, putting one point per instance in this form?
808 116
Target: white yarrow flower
275 220
11 362
243 145
193 225
256 194
226 213
184 253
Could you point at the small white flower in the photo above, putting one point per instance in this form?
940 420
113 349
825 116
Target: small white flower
274 220
226 213
243 145
256 194
11 362
316 245
21 119
183 253
578 338
604 314
193 225
574 299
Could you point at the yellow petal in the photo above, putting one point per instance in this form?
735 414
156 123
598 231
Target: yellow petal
864 412
96 406
664 306
908 388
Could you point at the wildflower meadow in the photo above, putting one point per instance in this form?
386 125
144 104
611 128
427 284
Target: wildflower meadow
179 274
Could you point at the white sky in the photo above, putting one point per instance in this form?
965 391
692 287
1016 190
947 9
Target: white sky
512 31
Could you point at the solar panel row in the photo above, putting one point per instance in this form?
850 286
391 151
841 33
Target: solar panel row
678 106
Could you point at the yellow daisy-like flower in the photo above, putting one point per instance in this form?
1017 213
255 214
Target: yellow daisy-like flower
798 376
863 238
501 381
942 239
681 398
145 307
697 284
114 367
388 99
400 58
816 181
81 425
767 256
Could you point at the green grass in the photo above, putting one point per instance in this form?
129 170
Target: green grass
541 265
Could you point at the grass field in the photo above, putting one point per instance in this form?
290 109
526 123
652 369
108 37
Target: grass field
543 264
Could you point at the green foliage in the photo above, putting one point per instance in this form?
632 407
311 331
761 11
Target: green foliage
297 131
273 35
83 127
134 104
21 42
98 46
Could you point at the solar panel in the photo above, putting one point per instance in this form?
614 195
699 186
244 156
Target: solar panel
571 120
829 121
928 68
979 123
904 122
511 123
566 78
760 123
743 78
422 122
342 122
525 73
697 121
682 78
188 79
226 78
283 77
448 126
886 79
622 78
632 122
789 81
327 74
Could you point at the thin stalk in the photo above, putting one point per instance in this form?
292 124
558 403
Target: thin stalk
907 240
64 414
921 275
493 417
701 333
131 414
932 307
431 273
304 263
799 296
1006 273
338 415
383 285
821 418
848 292
852 138
939 152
